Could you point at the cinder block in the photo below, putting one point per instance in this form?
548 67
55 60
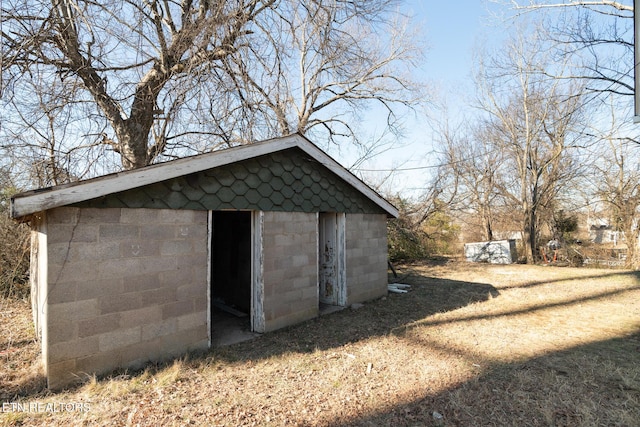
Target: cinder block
120 302
301 260
269 241
139 216
60 233
72 349
177 308
118 232
62 293
159 329
61 374
174 216
291 319
157 265
283 263
192 320
125 267
86 233
100 215
303 282
98 325
142 282
61 330
200 304
141 316
138 248
89 289
62 215
192 291
310 293
136 355
119 338
95 251
157 232
190 261
99 363
74 311
158 296
282 240
176 247
184 341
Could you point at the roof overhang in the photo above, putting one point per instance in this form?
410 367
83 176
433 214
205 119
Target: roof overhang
30 202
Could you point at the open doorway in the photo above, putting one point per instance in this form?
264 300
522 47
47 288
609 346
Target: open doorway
231 276
331 263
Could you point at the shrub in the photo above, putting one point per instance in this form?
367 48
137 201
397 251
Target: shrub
406 242
415 235
14 252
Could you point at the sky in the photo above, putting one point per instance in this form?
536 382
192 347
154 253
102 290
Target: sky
450 30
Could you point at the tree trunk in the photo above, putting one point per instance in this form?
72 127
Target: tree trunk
489 230
132 145
529 229
631 237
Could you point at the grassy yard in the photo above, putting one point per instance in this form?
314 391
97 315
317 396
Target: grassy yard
471 345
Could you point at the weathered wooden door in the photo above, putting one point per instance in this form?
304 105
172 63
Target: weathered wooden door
329 257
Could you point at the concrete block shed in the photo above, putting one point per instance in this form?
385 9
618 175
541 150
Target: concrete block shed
128 268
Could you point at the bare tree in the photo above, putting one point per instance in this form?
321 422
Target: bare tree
157 79
128 57
320 64
598 34
533 121
474 160
615 183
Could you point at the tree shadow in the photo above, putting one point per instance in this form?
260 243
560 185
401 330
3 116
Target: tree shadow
534 283
377 318
592 384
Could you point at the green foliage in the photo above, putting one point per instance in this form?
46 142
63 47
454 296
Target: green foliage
14 251
406 242
443 233
564 225
415 235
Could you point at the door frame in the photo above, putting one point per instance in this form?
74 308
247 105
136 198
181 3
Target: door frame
257 281
340 290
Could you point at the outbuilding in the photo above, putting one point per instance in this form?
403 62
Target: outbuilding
129 267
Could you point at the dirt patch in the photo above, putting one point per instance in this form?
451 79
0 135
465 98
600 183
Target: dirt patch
470 345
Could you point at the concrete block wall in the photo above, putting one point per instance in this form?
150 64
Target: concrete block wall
124 286
290 268
366 247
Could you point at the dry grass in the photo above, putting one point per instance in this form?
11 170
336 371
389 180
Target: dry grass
478 344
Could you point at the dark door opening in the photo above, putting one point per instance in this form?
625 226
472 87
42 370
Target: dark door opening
230 272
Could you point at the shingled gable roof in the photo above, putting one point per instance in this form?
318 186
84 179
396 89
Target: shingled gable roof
30 202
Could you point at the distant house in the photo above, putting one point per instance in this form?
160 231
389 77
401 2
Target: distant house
126 267
605 234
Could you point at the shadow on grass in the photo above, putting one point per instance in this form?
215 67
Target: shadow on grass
592 384
533 284
378 318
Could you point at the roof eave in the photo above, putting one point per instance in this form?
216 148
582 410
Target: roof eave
30 202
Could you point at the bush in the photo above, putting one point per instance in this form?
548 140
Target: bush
14 253
406 242
411 238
